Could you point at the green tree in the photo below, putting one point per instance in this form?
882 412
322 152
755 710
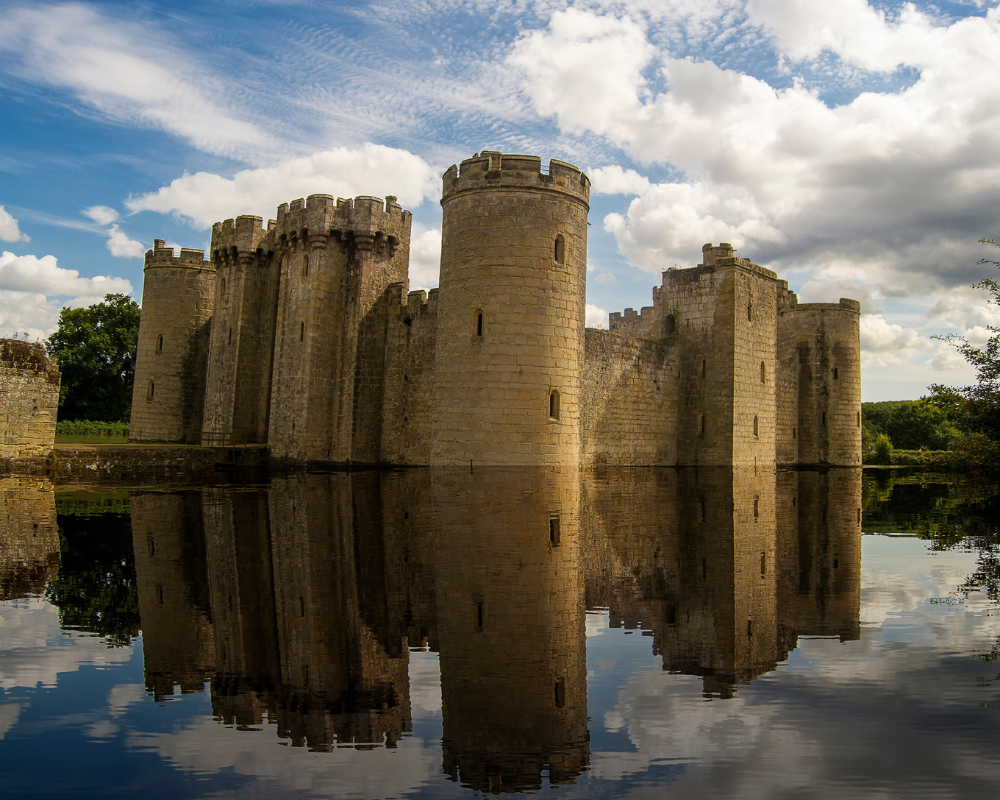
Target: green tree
910 424
95 348
975 409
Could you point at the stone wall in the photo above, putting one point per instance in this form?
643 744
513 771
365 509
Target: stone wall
168 396
29 399
509 350
629 401
411 334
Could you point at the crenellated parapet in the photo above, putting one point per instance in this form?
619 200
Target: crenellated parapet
237 237
491 169
161 256
368 224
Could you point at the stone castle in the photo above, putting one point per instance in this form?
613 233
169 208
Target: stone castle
302 335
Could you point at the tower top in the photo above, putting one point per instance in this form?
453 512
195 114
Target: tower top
491 169
163 256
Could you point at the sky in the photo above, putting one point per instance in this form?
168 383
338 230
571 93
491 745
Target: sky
851 147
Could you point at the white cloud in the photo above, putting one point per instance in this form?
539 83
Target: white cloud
668 224
9 231
779 171
615 180
121 246
596 317
102 215
425 258
831 291
205 198
27 283
133 73
44 276
884 343
605 277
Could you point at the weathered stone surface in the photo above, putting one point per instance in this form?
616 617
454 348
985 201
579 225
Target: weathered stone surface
29 398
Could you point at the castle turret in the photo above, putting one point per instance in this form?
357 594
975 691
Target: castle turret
509 350
820 361
169 390
238 385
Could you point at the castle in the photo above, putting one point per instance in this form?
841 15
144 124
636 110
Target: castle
302 335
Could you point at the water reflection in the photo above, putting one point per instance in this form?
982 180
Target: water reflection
29 546
301 601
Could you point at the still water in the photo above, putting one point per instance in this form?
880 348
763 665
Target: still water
659 633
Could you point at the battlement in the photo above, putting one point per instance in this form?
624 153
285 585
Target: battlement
320 214
163 256
632 322
845 304
493 170
243 234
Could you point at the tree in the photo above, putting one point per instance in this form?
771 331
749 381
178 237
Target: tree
976 409
95 348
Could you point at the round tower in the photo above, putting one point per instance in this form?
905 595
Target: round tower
511 310
169 389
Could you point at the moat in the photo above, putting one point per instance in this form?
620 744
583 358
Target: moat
452 633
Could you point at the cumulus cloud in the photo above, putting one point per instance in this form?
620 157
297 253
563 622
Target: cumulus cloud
109 66
905 180
615 180
425 258
28 285
204 198
121 246
596 317
9 230
102 215
884 343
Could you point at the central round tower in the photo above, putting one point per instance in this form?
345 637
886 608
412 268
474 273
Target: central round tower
511 309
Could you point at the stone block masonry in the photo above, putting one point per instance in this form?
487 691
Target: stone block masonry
316 348
29 399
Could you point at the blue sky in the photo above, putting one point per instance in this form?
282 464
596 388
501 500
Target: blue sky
852 147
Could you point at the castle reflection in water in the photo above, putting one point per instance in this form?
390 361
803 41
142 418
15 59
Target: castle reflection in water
298 604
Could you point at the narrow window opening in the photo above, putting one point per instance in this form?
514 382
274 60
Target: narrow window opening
701 509
756 508
795 502
151 390
479 323
671 324
554 534
749 628
763 372
479 617
553 404
704 367
823 418
671 615
763 563
560 693
159 594
302 331
305 265
560 249
151 545
750 311
159 343
302 607
836 561
793 431
835 373
824 516
230 336
756 426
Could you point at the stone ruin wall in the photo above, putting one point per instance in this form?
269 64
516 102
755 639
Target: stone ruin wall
29 399
168 394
